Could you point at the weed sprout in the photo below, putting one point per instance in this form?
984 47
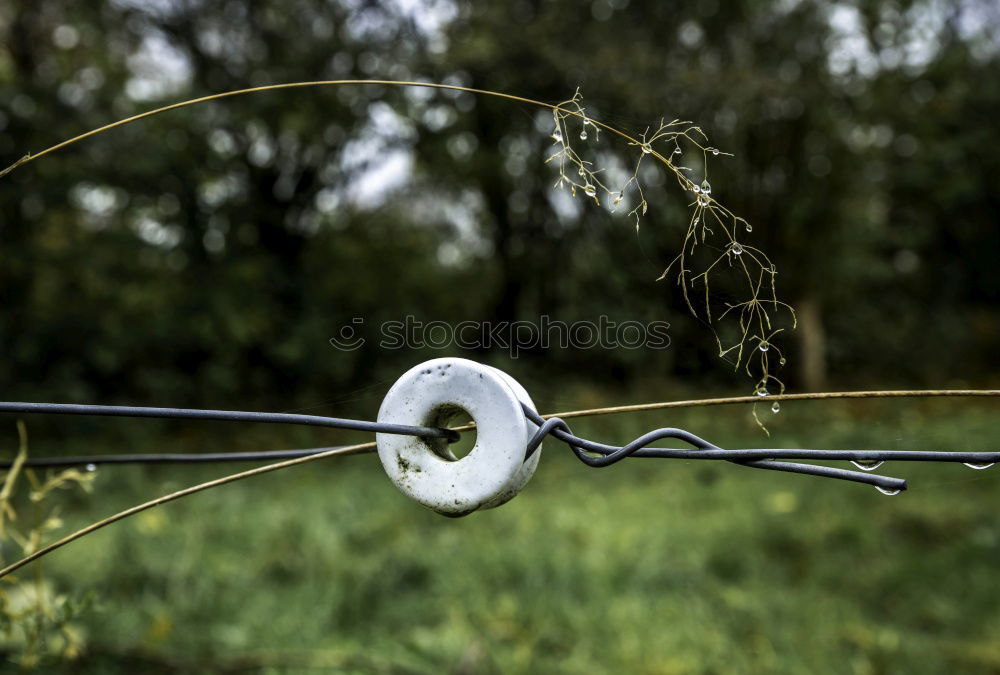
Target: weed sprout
710 225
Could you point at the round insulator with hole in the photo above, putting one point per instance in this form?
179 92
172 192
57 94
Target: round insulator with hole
424 469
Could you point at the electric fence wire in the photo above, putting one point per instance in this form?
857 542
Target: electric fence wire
591 453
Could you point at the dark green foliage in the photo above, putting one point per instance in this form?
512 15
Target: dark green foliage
206 256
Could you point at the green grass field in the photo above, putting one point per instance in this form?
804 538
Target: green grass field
645 567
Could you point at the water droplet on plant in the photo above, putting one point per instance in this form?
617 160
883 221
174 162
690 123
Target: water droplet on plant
762 391
90 468
677 151
736 248
581 171
715 151
749 227
776 407
695 189
646 149
867 464
705 187
782 361
583 135
885 491
977 466
764 346
589 190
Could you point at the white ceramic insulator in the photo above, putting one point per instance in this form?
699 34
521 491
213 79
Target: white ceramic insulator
433 393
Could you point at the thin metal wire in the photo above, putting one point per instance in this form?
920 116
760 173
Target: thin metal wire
608 455
225 416
583 448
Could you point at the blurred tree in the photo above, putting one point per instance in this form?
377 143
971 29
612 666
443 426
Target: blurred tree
206 255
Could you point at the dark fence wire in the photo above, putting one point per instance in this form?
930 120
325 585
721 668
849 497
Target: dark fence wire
591 453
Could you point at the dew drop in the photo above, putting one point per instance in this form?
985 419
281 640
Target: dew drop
782 361
581 171
646 149
885 491
557 136
867 464
583 135
90 468
764 346
749 227
736 248
589 190
695 189
762 391
677 151
715 152
776 407
706 187
977 466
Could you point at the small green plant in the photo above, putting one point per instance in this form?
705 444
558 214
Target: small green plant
711 226
36 620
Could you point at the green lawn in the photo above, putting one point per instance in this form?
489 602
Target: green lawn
649 566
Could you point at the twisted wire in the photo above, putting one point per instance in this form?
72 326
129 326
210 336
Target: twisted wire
609 454
555 426
589 452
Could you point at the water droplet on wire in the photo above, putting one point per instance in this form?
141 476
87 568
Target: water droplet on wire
90 468
776 407
886 491
867 464
978 466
